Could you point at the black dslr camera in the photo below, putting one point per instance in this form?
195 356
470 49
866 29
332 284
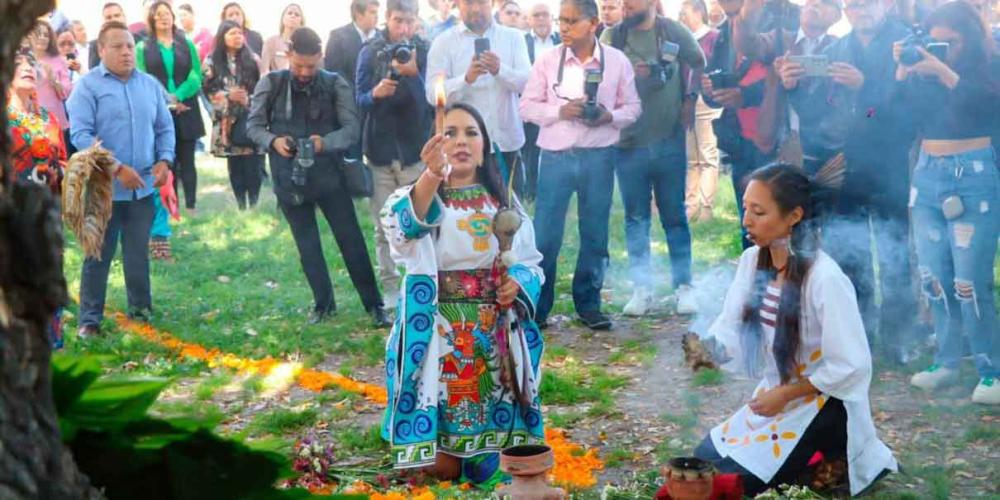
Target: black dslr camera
305 156
661 69
400 52
592 81
910 55
722 79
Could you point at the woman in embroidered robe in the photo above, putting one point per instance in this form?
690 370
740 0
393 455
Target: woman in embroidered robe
462 360
38 151
791 317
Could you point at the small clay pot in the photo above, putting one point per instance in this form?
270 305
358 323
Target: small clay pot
529 466
689 478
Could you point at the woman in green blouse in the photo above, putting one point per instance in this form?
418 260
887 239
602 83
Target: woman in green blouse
173 59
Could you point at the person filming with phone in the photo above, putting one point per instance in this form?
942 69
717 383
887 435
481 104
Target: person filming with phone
306 119
799 57
486 65
951 78
860 116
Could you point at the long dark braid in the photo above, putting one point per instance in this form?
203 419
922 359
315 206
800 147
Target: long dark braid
790 188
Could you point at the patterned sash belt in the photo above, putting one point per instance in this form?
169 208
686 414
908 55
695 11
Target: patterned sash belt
469 285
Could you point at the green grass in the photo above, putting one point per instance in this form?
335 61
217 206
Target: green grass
575 383
282 421
707 377
355 440
635 351
982 433
617 457
563 419
208 387
265 293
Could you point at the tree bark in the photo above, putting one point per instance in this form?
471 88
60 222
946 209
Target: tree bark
33 461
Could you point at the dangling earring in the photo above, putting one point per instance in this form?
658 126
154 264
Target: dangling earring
791 242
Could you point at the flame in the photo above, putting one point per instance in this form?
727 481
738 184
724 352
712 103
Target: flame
439 91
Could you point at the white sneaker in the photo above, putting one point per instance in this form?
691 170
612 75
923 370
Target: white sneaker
685 300
987 392
391 298
934 377
639 304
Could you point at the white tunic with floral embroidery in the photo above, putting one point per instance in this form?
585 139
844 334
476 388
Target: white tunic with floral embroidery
833 356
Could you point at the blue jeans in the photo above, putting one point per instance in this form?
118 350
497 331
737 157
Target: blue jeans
589 172
130 222
655 172
956 254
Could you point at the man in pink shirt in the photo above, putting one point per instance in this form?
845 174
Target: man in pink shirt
582 94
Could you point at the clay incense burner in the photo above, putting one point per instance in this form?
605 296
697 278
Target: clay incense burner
689 478
529 465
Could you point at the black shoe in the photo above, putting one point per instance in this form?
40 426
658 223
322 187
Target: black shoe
318 316
88 332
595 320
380 319
140 314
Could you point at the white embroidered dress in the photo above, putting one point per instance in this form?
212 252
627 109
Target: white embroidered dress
833 356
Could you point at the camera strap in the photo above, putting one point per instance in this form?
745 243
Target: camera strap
562 62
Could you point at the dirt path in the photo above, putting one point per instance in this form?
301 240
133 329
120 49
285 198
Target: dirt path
948 447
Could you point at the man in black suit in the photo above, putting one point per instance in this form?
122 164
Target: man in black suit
111 12
345 42
539 39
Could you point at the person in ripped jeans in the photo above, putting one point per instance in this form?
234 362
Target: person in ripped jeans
956 190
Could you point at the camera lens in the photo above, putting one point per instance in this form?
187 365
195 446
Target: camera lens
403 54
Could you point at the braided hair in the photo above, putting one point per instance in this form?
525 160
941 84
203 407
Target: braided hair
791 189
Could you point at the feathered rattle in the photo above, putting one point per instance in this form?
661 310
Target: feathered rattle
87 195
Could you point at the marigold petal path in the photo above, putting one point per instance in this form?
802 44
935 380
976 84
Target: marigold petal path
574 467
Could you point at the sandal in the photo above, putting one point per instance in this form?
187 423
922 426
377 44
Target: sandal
160 250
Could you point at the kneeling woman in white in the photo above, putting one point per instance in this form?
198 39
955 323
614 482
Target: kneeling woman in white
791 317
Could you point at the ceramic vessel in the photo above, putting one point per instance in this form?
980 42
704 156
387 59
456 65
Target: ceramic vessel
689 478
529 466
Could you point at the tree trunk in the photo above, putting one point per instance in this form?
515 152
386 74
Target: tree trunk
33 461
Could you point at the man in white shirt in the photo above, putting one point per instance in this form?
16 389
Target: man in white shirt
82 45
541 37
490 82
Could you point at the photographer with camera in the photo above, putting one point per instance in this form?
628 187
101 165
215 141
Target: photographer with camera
951 80
390 94
652 153
582 94
859 115
306 118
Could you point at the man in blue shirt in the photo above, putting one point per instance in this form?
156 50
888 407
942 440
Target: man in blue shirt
126 111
